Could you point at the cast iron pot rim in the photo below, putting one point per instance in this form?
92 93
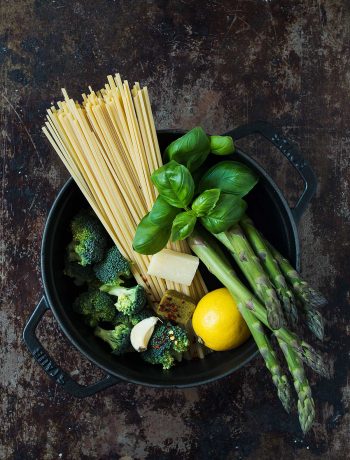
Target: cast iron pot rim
57 203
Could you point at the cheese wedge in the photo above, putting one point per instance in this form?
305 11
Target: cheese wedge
174 266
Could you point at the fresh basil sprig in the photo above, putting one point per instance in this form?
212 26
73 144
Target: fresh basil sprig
221 145
230 177
162 213
219 204
183 225
150 238
174 183
205 202
191 149
228 211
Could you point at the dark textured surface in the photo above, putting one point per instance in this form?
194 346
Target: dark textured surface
220 64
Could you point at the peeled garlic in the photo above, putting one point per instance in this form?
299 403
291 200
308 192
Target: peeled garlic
142 332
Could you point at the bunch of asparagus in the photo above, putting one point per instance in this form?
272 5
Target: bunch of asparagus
280 294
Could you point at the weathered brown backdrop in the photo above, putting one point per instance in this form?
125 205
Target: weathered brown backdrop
214 63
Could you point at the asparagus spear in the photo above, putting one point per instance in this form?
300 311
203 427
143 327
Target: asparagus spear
278 377
314 320
306 405
309 299
211 255
236 242
272 269
303 290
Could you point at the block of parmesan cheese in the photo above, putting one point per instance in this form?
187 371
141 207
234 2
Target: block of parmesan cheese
174 266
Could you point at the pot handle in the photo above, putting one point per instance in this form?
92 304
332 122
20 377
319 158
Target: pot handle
291 152
48 364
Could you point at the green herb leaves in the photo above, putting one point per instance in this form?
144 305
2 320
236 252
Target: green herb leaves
221 145
190 150
206 202
230 177
228 211
150 238
219 204
183 225
162 212
174 183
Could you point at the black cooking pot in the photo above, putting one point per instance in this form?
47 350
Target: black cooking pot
267 207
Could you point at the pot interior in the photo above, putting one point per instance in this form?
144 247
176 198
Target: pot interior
270 214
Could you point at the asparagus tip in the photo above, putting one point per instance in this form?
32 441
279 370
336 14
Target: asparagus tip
316 299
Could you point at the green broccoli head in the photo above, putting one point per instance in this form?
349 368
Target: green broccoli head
166 341
89 239
130 300
118 339
141 315
79 274
111 269
95 306
132 320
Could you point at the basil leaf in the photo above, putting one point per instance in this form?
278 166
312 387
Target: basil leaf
230 177
149 237
174 183
183 225
162 212
206 202
228 211
221 145
190 149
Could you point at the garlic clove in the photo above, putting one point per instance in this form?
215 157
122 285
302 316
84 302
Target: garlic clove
142 332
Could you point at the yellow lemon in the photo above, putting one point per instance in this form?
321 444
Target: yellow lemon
218 322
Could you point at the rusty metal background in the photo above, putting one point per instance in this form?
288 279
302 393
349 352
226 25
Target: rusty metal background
214 63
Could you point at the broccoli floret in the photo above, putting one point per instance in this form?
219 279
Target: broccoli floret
95 306
130 300
111 269
118 339
79 274
122 319
89 239
132 320
166 341
139 316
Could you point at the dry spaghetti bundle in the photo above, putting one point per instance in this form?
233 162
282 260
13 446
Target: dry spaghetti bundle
109 145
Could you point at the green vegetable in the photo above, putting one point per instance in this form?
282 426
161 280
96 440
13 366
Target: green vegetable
211 255
183 225
166 341
150 238
205 202
95 306
136 318
133 319
174 183
228 211
272 270
230 177
236 242
302 289
262 341
79 274
162 213
308 299
191 149
89 239
118 338
221 145
111 270
130 300
306 405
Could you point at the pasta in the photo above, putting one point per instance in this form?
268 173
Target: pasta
109 145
